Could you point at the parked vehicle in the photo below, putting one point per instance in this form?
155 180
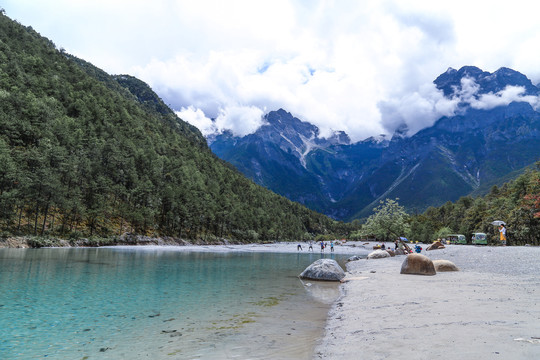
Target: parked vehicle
456 239
479 239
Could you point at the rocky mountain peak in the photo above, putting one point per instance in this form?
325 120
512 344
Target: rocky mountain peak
297 137
284 122
460 154
450 81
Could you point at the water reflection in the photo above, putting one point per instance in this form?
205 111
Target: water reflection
323 291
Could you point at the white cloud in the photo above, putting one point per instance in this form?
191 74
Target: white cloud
241 120
417 110
197 118
359 66
422 108
503 98
469 95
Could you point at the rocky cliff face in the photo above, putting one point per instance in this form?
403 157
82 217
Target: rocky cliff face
286 132
458 155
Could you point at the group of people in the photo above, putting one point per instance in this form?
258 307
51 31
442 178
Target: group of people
323 246
398 243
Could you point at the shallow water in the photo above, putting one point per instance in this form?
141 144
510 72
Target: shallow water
109 303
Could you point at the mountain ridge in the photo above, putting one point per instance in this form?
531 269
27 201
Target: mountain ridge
454 157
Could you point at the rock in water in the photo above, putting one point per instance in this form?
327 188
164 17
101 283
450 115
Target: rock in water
324 269
378 254
391 252
354 258
418 264
444 265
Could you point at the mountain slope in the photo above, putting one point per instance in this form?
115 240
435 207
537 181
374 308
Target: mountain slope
83 153
275 156
456 156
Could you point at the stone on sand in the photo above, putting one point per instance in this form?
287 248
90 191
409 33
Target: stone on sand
444 265
418 264
436 245
378 254
323 269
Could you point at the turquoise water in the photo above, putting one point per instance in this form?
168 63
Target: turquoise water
108 303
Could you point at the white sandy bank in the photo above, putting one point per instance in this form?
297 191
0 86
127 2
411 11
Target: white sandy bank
488 310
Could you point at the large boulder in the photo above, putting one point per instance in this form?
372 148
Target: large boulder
378 254
436 245
323 269
418 264
400 251
391 252
444 265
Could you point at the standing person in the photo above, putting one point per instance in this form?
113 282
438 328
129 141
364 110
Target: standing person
322 246
310 245
332 246
502 231
299 247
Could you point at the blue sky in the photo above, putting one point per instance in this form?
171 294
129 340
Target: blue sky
361 66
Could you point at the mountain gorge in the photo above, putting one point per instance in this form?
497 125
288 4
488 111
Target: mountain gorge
487 141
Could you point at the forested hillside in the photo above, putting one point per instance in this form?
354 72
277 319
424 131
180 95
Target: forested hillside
517 203
85 154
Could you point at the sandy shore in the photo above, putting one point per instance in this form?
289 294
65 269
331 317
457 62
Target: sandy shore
488 310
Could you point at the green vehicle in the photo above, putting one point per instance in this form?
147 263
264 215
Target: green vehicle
456 239
479 239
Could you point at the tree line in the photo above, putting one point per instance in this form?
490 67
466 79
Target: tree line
517 203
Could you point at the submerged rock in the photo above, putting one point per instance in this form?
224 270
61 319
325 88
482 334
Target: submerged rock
354 258
418 264
323 269
378 254
444 265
